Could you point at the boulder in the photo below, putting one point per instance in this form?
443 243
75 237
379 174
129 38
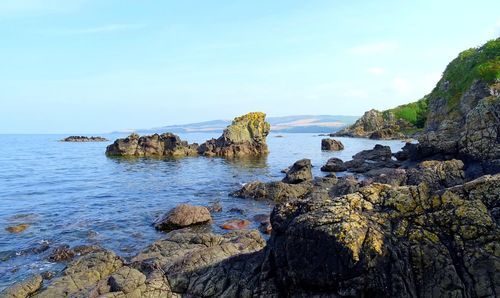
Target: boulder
235 224
182 216
61 253
437 174
166 144
334 165
275 191
246 136
376 158
331 145
299 172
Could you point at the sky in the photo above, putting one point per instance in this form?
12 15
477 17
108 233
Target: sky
95 66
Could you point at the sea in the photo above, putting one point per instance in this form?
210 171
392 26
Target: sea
73 194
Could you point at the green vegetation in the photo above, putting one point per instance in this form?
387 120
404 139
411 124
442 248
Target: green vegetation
473 64
415 112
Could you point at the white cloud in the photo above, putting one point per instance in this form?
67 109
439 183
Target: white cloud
376 70
402 85
374 48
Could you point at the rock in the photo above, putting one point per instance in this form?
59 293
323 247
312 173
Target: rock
377 125
266 228
215 207
261 218
246 136
83 274
237 210
437 174
126 280
182 216
368 160
23 289
274 191
235 224
299 172
331 145
84 139
48 275
18 228
334 165
166 144
61 253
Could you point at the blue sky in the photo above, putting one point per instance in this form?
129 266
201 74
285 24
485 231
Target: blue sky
90 66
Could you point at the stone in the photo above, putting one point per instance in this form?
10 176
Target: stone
215 207
368 160
334 165
274 191
61 253
437 174
235 224
331 145
126 280
17 228
299 172
166 144
246 136
182 216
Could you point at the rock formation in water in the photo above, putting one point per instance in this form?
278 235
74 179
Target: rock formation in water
184 215
331 145
246 136
84 139
166 144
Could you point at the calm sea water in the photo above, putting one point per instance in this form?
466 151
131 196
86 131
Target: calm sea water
71 193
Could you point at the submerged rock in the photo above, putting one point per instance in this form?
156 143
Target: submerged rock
331 145
84 139
18 228
246 136
182 216
235 224
166 144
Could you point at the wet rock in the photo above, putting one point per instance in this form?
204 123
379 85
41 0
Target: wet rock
334 165
260 218
299 172
235 224
237 210
266 228
331 145
84 139
182 216
18 228
246 136
166 144
23 289
274 191
48 275
61 253
215 207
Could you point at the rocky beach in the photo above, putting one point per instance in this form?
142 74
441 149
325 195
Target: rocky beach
423 221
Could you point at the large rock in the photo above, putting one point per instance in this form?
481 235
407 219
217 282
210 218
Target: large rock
331 145
334 165
246 136
373 159
166 144
299 172
182 216
275 191
376 125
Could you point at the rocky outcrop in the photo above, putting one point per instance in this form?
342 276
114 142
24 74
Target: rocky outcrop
182 216
373 159
274 191
377 125
84 139
166 144
23 289
246 136
331 145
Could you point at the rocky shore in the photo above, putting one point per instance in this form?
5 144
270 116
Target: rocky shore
84 139
422 222
246 136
